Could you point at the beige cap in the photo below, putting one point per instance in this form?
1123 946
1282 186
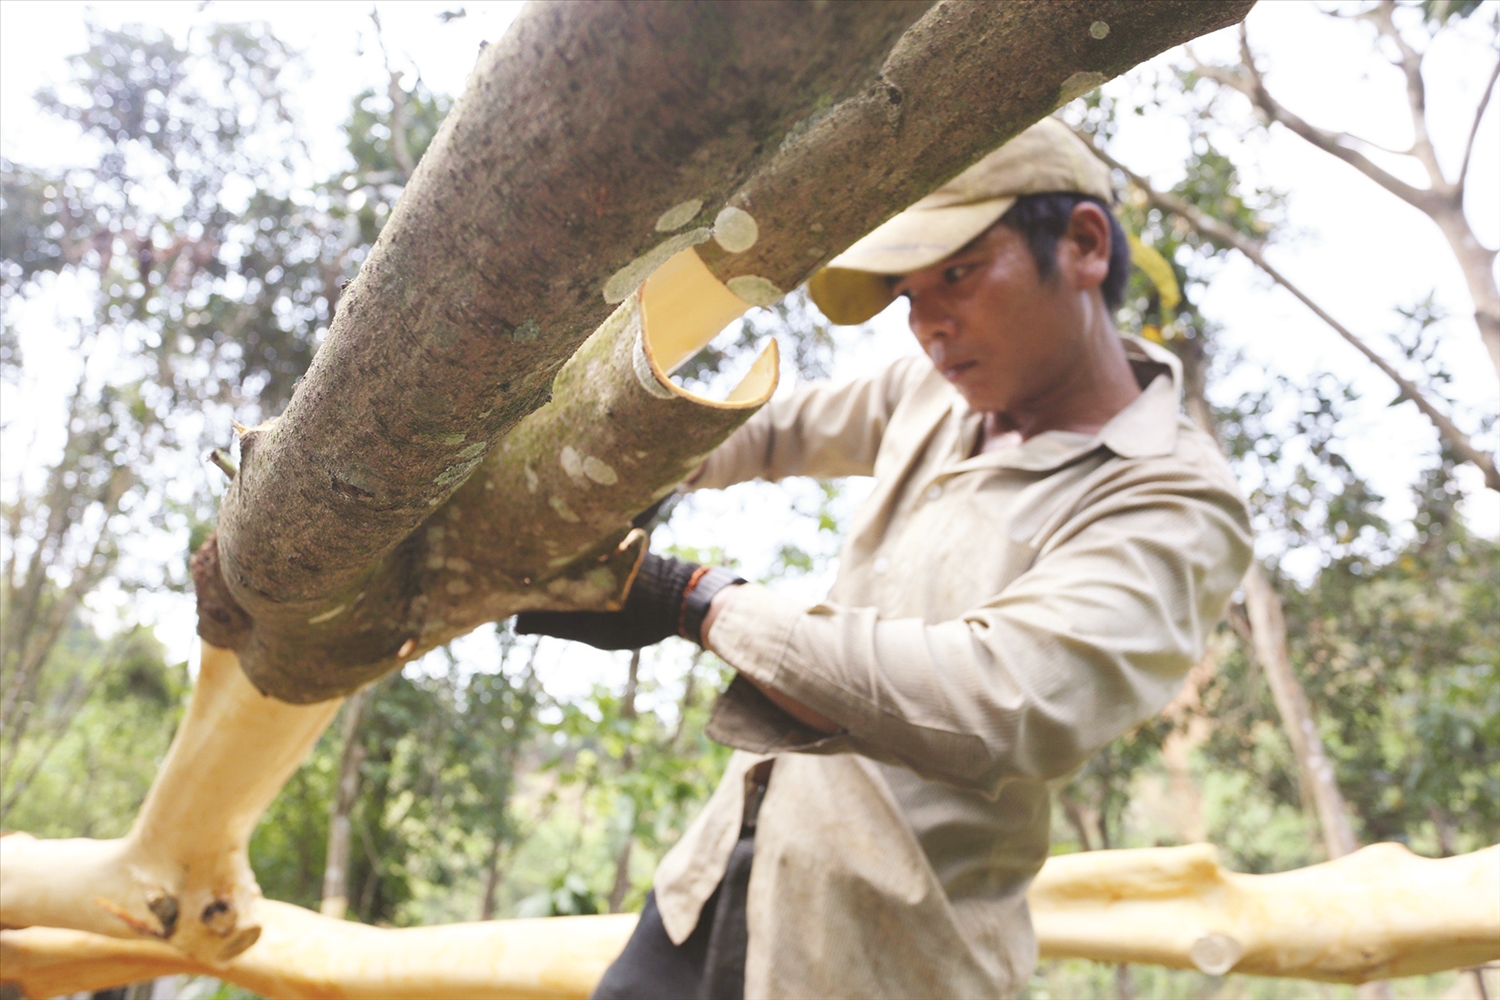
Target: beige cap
1045 158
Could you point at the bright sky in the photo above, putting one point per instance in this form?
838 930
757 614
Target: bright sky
1355 248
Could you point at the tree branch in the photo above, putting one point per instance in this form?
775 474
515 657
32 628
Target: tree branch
400 152
1226 236
1410 64
1484 102
1251 84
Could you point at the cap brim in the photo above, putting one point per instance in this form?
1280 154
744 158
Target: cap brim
853 287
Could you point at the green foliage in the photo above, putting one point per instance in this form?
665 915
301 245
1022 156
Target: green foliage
1409 653
644 771
100 720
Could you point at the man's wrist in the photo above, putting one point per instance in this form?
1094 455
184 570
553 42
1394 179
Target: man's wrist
715 606
698 598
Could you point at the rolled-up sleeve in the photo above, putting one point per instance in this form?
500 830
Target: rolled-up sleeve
816 430
1091 640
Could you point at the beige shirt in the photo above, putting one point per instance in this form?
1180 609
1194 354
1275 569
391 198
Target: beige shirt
997 618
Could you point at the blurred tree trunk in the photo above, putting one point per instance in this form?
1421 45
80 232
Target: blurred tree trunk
68 534
1267 621
1268 635
621 887
336 870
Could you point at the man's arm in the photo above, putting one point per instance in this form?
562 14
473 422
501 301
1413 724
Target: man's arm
1090 641
816 430
814 720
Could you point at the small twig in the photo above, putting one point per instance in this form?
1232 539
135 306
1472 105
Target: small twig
1484 102
226 465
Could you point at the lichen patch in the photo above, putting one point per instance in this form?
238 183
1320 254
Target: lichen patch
565 512
754 289
735 229
628 278
599 472
679 215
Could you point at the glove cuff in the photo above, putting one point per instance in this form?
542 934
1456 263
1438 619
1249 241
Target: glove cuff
705 582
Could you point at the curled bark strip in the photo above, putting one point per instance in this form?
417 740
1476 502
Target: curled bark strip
545 521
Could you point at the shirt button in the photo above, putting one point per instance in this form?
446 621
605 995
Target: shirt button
881 565
934 491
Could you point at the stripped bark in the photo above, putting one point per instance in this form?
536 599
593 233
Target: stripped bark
182 874
798 128
1381 912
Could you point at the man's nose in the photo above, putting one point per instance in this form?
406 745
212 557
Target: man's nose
929 319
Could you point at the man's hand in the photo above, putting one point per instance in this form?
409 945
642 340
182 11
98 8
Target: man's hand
668 597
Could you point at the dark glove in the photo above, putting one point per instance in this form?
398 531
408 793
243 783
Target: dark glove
668 597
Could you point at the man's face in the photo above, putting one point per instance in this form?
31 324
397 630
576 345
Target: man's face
993 327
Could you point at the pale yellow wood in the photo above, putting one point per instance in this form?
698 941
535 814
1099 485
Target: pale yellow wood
1379 913
305 956
182 873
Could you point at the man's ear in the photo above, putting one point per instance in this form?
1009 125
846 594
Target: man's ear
1083 251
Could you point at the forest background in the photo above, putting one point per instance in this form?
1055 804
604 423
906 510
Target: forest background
186 192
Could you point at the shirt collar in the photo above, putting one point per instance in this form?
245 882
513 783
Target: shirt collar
1147 427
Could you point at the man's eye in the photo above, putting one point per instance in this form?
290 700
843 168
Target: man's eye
954 274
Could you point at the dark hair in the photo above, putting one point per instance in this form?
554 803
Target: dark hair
1043 218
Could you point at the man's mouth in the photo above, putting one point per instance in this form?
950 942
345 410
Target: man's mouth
953 372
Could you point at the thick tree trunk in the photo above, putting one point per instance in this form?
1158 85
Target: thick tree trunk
585 137
1380 912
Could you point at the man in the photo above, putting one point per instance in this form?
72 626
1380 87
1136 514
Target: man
1046 547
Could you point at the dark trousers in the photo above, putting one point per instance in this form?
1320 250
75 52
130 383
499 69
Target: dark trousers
709 965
